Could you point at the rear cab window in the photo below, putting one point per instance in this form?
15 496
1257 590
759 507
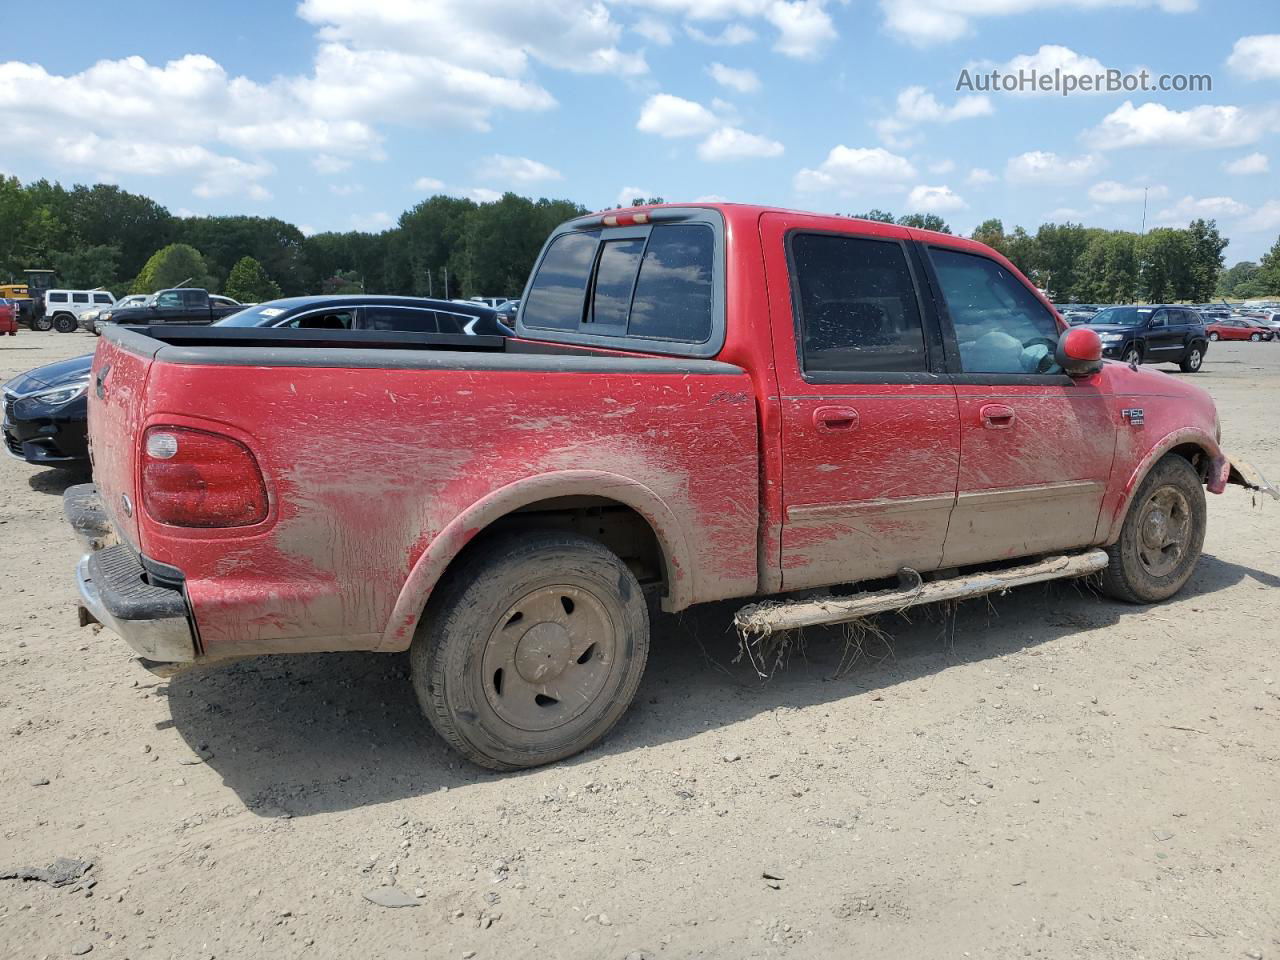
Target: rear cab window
650 287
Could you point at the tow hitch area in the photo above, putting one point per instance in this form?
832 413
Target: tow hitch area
1250 477
763 619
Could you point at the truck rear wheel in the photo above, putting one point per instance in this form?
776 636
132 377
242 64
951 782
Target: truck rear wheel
532 650
1162 535
42 323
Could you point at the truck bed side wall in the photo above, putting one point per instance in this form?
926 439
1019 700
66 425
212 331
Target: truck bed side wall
366 467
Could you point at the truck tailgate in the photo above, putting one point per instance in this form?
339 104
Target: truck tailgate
116 393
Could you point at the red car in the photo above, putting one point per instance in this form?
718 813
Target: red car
700 402
1238 328
8 317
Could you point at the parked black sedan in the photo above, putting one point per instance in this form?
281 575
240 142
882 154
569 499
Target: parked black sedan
46 412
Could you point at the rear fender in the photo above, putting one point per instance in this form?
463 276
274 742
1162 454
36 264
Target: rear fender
460 531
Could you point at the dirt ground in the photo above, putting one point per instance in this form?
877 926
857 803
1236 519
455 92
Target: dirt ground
1050 775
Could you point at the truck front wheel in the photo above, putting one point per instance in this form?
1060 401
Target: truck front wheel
1162 535
65 323
531 650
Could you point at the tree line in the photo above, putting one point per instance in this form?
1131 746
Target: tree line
103 236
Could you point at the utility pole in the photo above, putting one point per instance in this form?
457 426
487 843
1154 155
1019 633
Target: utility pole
446 283
1144 211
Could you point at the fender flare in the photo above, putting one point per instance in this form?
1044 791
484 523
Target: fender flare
462 529
1153 456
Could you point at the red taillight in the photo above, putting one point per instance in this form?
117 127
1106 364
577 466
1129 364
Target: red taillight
191 478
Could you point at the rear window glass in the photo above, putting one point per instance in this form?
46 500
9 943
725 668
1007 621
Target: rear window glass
615 277
674 293
101 298
556 298
79 298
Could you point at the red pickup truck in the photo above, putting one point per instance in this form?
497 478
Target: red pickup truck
701 402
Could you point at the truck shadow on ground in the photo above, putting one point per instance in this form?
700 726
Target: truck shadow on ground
307 734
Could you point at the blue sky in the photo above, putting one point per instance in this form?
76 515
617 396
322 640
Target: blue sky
336 114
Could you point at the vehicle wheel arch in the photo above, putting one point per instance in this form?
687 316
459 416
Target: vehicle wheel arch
542 503
1192 444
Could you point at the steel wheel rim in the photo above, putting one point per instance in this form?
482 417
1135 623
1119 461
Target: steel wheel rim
549 658
1195 359
1164 531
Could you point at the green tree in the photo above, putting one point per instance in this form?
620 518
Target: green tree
1206 247
1058 247
1268 276
1023 251
1230 281
990 232
642 202
924 221
275 244
1164 255
86 268
875 213
178 263
105 215
1107 271
249 283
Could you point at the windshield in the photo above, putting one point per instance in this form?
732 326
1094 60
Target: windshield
1125 316
260 316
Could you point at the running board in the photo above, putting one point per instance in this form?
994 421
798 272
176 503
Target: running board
762 619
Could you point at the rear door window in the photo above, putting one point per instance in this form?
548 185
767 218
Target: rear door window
79 298
101 298
857 306
1000 325
407 319
57 298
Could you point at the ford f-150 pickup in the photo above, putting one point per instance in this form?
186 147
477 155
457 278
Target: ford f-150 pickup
700 402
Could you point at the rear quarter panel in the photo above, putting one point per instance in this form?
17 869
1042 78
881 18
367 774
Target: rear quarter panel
366 467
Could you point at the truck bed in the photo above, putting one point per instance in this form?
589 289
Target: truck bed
385 453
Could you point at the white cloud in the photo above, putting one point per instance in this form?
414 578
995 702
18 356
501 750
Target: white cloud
1265 218
1154 124
428 184
372 222
627 194
345 189
669 116
730 143
979 176
804 28
733 35
1249 164
504 169
327 165
924 199
1189 208
928 22
847 168
1109 191
1040 166
744 81
1256 57
1066 213
482 194
942 167
915 106
654 30
1045 61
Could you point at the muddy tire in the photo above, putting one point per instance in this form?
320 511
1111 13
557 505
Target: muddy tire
1192 359
1162 536
532 650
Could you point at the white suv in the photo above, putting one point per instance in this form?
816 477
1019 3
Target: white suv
62 308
